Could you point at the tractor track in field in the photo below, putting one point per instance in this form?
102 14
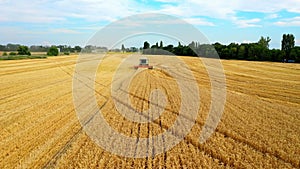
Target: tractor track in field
256 147
26 70
44 118
68 144
63 150
226 134
209 153
32 89
39 137
75 136
52 65
162 126
165 127
7 120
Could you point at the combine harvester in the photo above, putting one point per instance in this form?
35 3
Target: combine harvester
144 63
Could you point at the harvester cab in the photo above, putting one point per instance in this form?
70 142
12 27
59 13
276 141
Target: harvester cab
144 63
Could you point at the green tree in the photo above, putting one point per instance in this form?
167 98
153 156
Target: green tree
287 43
241 54
12 47
169 48
161 44
12 54
77 48
154 46
146 45
276 55
233 48
123 48
192 45
53 51
295 54
264 42
3 48
225 53
255 52
179 44
221 50
23 50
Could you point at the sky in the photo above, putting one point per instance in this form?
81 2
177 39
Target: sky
74 22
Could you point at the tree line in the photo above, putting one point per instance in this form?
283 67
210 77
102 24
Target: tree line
40 48
258 51
24 51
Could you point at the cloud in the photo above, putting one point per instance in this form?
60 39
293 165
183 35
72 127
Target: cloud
227 10
65 31
222 9
85 16
246 23
199 21
33 12
272 16
50 11
18 31
154 19
295 21
46 43
88 27
248 41
167 1
268 6
198 8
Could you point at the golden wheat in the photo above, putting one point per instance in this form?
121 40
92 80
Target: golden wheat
260 126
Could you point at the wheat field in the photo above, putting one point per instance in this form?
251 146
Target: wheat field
39 128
